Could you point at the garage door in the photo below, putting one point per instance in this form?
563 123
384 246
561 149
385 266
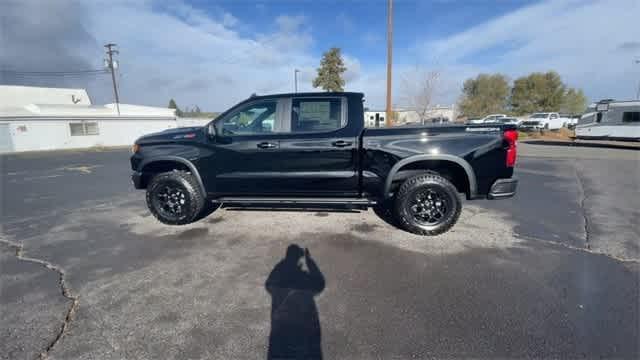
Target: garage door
6 145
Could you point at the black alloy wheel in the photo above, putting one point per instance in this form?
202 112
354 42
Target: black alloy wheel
427 204
175 198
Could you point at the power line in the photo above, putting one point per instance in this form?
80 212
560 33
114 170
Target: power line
66 76
53 73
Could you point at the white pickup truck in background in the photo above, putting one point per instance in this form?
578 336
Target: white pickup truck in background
544 121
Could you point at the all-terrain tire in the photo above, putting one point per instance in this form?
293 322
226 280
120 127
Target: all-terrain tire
414 186
191 200
207 209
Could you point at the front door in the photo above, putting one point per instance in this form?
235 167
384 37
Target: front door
287 147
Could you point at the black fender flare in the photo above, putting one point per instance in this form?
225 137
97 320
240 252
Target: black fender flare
471 175
187 163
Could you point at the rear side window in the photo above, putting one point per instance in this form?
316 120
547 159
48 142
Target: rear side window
317 115
631 116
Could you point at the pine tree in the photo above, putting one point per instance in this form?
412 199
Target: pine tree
330 71
173 105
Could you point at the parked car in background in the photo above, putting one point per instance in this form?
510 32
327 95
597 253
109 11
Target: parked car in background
572 121
492 118
543 121
487 119
504 120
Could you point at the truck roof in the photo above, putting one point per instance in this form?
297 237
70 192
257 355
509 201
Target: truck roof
305 94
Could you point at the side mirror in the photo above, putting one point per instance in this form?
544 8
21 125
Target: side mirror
211 130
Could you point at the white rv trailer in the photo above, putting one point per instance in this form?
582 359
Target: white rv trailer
610 120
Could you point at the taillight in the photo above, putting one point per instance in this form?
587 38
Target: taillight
511 136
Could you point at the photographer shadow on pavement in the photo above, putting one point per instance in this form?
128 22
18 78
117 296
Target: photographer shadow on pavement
295 325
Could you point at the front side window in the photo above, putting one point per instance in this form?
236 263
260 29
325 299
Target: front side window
317 115
252 119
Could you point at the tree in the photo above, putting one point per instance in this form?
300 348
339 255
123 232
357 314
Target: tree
330 71
574 102
486 94
537 92
173 105
419 87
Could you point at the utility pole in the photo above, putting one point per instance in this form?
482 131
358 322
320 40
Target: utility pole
109 62
295 79
389 59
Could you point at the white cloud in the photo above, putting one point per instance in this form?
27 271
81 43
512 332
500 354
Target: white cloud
291 35
167 50
591 45
229 20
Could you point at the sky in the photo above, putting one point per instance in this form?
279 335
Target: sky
216 53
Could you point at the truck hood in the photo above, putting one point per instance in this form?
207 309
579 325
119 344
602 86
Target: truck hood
185 133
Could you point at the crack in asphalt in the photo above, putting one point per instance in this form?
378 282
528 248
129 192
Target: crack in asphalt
594 252
587 225
583 198
66 292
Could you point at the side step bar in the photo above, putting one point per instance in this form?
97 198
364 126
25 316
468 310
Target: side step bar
295 201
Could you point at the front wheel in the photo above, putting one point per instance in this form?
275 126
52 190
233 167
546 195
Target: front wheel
427 204
175 198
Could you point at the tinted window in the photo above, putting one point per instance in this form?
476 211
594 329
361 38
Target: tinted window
631 116
316 115
256 118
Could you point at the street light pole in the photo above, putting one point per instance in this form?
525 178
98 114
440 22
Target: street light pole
389 59
295 79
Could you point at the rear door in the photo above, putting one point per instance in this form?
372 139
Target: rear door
319 155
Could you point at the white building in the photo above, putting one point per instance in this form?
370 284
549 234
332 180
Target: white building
436 114
48 118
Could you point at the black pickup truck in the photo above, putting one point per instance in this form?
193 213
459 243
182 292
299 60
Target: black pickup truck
311 150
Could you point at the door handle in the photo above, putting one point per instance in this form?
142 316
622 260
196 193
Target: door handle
267 145
341 143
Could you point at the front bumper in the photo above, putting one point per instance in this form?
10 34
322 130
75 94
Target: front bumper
503 188
136 178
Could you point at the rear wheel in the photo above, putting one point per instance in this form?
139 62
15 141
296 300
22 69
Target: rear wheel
427 204
175 198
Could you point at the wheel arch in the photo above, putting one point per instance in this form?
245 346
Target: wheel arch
168 163
470 186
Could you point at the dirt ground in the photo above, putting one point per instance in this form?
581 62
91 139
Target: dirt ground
562 134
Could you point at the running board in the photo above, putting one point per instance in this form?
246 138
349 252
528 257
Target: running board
295 201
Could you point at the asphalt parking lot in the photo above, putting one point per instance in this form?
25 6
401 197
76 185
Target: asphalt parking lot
553 272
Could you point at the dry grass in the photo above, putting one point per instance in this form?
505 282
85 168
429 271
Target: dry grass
562 134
